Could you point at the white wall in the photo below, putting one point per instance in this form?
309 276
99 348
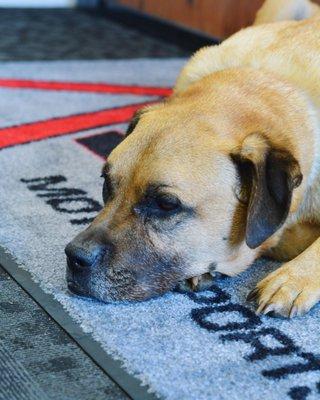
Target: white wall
37 3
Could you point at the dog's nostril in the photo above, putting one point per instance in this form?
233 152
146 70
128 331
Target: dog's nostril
81 257
78 257
74 265
79 262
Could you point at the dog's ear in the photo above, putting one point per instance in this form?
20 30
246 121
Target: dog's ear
134 121
138 114
271 175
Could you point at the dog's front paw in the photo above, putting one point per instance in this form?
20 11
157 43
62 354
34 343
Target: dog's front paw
196 284
286 292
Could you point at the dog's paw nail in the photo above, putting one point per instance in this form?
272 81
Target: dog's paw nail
260 309
293 312
253 295
268 309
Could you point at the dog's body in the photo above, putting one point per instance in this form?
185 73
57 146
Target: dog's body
290 52
224 171
284 54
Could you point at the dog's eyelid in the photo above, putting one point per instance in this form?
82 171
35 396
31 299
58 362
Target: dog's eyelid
156 189
105 171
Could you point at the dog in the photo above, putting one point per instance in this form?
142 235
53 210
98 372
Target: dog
224 171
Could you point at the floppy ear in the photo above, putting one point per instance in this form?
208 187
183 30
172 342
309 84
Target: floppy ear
273 175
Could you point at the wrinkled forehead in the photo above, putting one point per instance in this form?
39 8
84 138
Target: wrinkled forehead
182 162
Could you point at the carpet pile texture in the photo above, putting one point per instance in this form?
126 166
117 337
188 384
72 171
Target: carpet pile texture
58 120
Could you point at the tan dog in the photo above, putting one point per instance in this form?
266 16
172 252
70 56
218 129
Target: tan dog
225 170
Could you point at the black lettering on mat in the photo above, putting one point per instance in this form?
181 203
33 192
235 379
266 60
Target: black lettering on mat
64 199
243 325
260 350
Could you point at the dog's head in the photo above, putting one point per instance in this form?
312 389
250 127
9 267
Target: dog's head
193 186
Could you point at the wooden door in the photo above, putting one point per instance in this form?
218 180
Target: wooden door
219 18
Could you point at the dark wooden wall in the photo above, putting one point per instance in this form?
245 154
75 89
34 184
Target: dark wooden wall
219 18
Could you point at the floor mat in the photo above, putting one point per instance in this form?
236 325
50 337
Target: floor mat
60 118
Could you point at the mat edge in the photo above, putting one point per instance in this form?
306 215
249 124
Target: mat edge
131 385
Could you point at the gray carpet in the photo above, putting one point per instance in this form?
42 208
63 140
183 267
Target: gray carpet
37 358
201 346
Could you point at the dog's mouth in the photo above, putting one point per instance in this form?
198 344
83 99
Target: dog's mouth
74 288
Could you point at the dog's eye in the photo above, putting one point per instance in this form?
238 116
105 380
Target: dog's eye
168 202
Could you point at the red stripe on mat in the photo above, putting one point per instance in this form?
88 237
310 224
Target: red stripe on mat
85 87
60 126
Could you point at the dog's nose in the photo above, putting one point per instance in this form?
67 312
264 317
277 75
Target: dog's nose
81 257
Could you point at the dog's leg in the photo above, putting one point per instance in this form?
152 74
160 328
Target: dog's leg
293 288
285 10
293 241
